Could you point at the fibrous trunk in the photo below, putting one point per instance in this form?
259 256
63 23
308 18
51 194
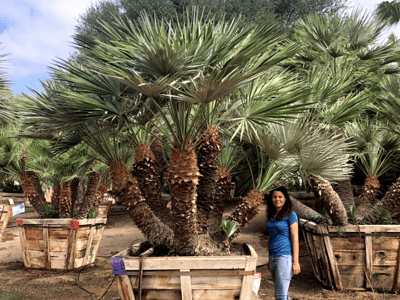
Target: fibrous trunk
90 195
368 198
145 170
55 197
390 202
207 159
101 190
345 192
221 197
305 212
126 187
246 210
183 178
74 192
157 149
331 201
65 200
33 191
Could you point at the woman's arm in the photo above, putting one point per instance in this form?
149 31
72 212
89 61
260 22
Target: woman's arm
294 235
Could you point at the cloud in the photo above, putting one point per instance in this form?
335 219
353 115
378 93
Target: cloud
37 32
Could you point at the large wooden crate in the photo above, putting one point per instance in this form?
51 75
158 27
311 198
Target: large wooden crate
185 278
62 244
354 257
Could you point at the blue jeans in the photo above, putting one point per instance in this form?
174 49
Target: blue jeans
281 269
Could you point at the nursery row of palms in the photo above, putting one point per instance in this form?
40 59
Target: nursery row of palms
224 102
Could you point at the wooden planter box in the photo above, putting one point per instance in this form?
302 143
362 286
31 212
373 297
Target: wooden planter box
185 278
354 258
61 244
5 215
104 209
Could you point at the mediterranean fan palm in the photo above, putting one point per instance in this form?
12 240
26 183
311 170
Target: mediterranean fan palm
180 83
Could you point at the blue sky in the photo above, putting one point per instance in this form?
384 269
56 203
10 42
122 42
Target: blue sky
36 32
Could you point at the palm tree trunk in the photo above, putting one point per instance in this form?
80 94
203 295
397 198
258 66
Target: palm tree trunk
207 159
101 190
157 149
33 191
368 198
74 192
390 202
221 197
183 178
90 195
126 187
307 213
145 170
331 201
55 197
246 210
65 200
344 190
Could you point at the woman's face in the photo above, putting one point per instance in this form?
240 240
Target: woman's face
278 199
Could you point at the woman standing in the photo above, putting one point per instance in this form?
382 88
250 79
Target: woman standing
283 228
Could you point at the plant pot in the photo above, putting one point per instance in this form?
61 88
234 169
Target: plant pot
186 278
60 244
5 215
104 209
354 258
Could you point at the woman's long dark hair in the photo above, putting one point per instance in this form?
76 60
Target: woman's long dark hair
286 209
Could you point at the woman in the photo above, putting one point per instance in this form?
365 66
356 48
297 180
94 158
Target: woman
283 228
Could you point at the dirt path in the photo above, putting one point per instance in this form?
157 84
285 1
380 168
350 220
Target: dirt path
18 283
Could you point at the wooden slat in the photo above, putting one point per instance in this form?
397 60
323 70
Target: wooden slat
69 263
350 258
198 282
352 270
385 243
344 244
59 234
57 264
384 258
324 258
248 280
351 282
25 253
373 229
331 258
216 294
97 244
162 295
396 281
186 285
171 263
313 256
127 283
122 290
89 244
58 245
46 244
383 277
33 233
368 262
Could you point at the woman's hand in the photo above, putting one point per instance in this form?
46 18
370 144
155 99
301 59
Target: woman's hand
296 268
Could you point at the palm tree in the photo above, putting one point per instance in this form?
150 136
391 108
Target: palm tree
342 62
375 155
171 74
388 11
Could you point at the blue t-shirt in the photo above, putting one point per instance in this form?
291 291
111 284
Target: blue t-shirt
280 242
